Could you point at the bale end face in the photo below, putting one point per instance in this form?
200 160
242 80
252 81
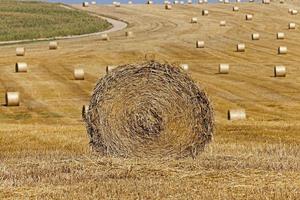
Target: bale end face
200 44
134 111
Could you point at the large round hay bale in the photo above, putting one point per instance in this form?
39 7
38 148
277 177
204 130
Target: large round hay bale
194 20
280 36
79 74
53 45
255 36
223 68
12 98
235 8
249 17
21 67
149 110
240 47
279 71
200 44
85 4
20 51
236 114
292 25
282 50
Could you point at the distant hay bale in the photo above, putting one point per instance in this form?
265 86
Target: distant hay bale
251 1
93 2
249 17
149 110
223 68
282 50
226 1
185 67
235 8
238 1
104 36
175 2
200 44
205 1
181 2
292 25
129 2
204 12
20 51
279 71
255 36
280 35
189 1
240 47
223 23
53 45
236 114
21 67
85 4
221 1
149 2
117 4
194 20
294 12
200 2
129 34
12 98
266 2
168 6
79 74
109 68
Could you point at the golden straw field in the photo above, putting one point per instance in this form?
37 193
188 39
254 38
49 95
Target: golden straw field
44 150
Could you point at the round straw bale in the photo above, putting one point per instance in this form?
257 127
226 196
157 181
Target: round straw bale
204 12
109 68
240 47
266 1
168 6
280 35
53 45
223 23
226 2
249 17
282 50
93 2
175 2
221 1
205 1
117 4
236 114
185 67
279 71
21 67
290 10
200 44
194 20
149 110
104 36
235 8
20 51
181 2
200 2
79 74
129 2
85 4
238 1
149 2
129 34
255 36
223 68
292 25
251 1
294 12
12 98
189 1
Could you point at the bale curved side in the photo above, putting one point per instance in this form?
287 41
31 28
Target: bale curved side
149 109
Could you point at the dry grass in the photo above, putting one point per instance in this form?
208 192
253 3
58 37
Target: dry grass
44 147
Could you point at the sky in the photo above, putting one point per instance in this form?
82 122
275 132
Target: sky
122 1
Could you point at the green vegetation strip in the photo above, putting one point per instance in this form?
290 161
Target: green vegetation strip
21 20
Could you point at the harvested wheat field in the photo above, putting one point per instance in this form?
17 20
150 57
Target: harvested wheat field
44 145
